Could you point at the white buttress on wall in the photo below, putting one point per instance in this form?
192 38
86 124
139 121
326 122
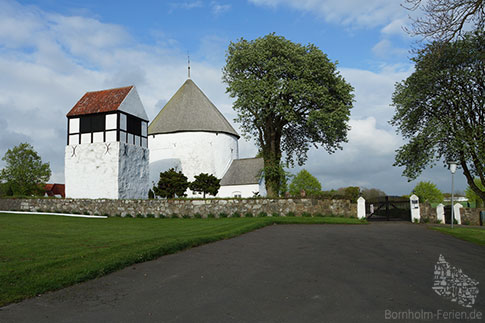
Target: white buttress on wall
106 170
192 152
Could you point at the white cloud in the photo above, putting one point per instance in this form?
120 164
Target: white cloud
370 13
385 49
218 8
187 5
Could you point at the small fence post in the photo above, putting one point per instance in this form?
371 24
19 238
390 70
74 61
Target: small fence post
361 208
415 212
457 212
440 213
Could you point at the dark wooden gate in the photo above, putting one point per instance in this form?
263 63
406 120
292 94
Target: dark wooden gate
388 208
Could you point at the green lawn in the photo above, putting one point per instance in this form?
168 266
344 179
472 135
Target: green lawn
39 253
475 235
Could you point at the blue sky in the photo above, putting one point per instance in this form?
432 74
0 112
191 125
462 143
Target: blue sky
52 52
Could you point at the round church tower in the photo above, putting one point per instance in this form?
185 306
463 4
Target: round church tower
191 135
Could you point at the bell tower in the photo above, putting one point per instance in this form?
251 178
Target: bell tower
107 152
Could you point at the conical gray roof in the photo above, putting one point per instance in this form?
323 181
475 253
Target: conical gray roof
190 110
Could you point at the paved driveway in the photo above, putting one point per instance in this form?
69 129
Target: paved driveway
282 273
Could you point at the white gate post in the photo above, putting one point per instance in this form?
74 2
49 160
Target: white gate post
440 213
415 212
457 211
360 208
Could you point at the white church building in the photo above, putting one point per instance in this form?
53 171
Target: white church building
112 152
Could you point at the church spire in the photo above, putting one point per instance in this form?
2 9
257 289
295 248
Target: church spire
188 66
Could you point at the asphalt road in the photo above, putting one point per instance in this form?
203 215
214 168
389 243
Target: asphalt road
282 273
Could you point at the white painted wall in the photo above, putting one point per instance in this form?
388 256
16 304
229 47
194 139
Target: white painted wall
192 153
106 170
133 173
243 190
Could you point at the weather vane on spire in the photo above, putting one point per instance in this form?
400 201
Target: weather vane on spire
188 65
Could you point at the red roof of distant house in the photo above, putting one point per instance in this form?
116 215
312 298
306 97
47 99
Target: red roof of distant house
100 101
55 189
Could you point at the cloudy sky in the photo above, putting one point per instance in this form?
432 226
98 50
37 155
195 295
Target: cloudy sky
52 52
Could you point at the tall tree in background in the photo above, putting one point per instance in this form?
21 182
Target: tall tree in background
473 197
440 109
428 192
24 173
288 96
443 20
304 181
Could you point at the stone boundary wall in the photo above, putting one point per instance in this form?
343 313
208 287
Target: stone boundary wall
471 216
468 215
428 212
183 207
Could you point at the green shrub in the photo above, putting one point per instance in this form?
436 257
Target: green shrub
174 216
262 214
290 214
198 216
210 216
248 215
86 213
150 215
425 220
275 214
186 216
306 215
161 216
106 214
236 215
118 215
223 215
319 215
139 215
416 221
127 215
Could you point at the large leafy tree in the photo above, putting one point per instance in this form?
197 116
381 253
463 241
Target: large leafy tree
445 19
24 173
171 184
304 181
440 109
472 196
288 96
205 184
428 192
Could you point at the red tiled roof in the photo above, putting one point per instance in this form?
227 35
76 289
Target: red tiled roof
55 189
100 101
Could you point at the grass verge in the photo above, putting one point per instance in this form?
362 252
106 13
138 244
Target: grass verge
40 253
475 235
